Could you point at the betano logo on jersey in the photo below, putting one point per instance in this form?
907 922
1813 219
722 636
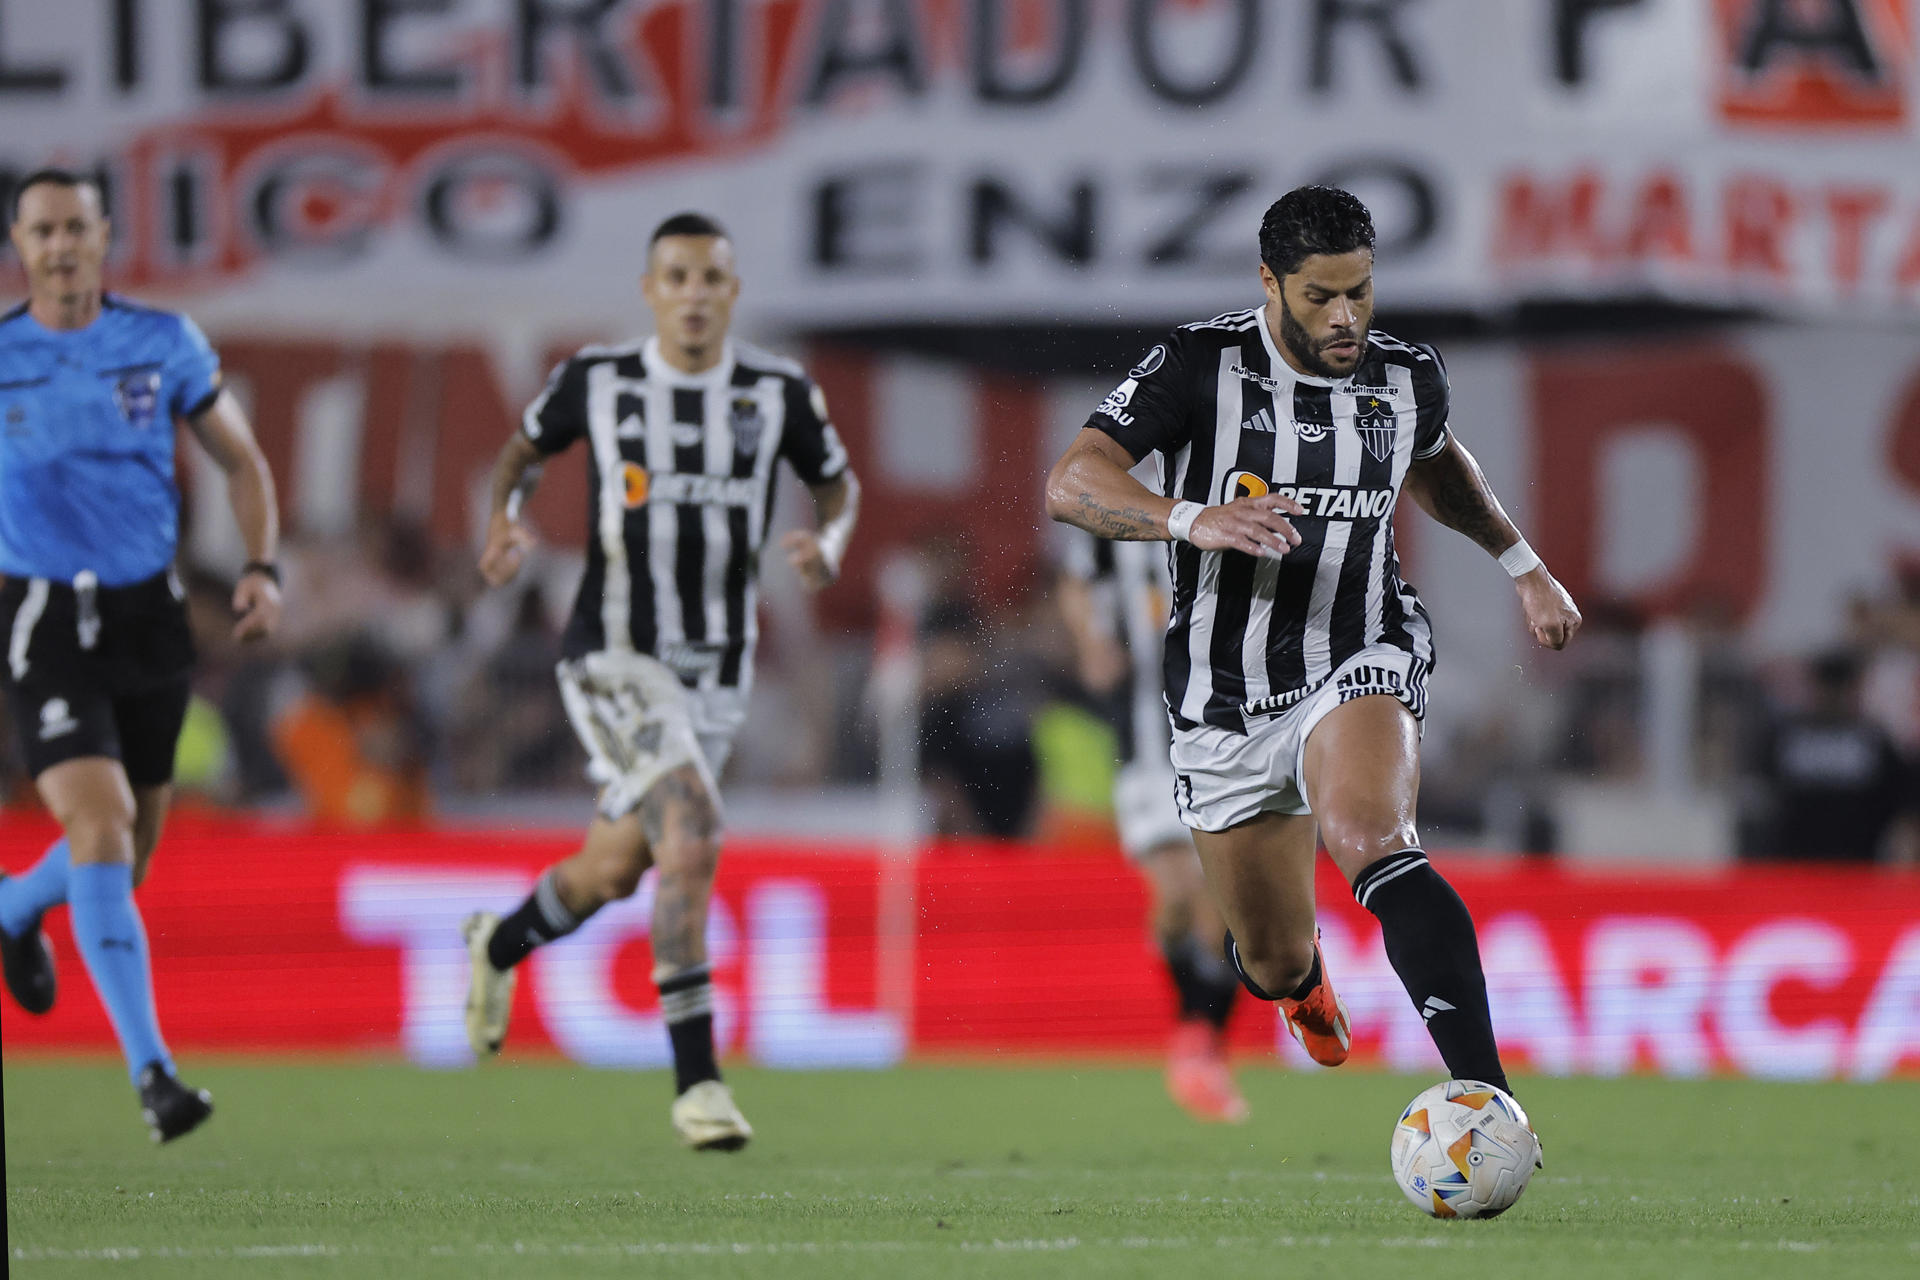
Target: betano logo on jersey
640 487
1325 502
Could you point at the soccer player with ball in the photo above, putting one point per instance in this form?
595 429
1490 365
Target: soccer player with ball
1296 658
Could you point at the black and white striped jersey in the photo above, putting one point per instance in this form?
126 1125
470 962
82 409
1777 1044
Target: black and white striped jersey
1131 594
1228 416
681 479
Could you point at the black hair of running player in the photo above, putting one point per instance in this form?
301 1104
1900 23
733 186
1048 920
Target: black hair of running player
1312 220
688 224
48 177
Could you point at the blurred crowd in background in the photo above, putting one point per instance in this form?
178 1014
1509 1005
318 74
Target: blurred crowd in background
402 692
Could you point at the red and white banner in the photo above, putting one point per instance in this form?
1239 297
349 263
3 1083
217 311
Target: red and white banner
283 941
413 166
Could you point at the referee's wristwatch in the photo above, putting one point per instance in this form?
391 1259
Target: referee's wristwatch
265 568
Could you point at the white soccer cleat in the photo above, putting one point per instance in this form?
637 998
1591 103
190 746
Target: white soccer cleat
489 990
706 1119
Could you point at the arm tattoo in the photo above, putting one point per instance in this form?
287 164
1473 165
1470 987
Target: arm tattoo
1462 501
1129 524
682 825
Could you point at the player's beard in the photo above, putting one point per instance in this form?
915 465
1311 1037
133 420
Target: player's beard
1300 345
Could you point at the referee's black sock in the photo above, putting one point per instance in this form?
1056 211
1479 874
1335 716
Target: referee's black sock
534 923
1205 983
1430 941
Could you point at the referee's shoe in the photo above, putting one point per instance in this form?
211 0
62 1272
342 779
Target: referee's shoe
171 1109
28 961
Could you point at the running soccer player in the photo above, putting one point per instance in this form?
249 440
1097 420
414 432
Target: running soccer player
683 431
1296 658
1114 596
98 648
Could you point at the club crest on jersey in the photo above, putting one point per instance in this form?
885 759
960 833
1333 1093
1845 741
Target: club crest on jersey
1377 424
748 424
137 393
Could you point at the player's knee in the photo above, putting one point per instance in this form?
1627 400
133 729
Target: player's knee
99 835
1355 840
690 855
1276 960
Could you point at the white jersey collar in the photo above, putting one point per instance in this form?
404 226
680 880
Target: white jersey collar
657 367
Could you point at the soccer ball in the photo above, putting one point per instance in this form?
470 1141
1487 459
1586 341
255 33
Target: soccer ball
1464 1149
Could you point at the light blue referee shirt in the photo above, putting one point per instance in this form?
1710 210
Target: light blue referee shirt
86 440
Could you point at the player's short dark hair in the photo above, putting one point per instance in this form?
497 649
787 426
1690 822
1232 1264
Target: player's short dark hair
48 177
688 224
1313 220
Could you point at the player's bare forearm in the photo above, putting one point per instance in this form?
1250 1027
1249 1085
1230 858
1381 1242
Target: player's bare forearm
838 498
514 474
817 554
223 431
1090 488
1452 489
250 490
1076 610
516 459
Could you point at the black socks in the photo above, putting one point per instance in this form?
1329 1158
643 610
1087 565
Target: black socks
534 923
686 1002
1431 944
1206 985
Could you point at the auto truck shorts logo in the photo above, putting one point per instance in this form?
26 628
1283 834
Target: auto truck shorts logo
1370 679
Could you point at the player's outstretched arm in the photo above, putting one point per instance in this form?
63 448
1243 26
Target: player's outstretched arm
1102 662
816 554
223 431
1452 489
515 472
1091 488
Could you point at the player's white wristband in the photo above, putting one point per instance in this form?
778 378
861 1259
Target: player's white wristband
1180 520
836 533
1519 560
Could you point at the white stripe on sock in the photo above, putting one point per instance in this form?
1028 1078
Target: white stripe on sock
1394 874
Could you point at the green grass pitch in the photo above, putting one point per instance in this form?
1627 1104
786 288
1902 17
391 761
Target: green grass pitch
544 1169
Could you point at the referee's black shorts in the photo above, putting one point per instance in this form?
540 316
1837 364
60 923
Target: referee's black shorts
97 671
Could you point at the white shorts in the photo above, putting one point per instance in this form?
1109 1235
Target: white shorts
1144 807
1224 778
638 723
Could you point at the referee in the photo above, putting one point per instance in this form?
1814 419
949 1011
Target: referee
92 616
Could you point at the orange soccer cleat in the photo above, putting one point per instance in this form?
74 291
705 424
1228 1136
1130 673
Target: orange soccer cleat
1198 1079
1319 1020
